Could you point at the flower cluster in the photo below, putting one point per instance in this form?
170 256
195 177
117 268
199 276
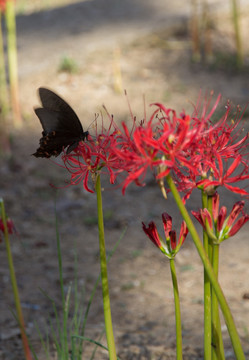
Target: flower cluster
93 157
197 151
170 246
223 155
161 143
217 224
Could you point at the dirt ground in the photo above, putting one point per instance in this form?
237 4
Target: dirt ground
150 46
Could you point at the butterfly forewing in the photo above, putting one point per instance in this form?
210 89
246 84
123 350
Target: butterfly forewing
52 101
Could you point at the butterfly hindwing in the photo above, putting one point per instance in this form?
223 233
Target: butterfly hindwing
61 126
53 143
49 119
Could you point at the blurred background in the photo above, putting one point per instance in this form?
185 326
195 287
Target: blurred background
90 52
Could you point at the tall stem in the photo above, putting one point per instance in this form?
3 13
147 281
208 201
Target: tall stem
104 278
12 60
207 297
4 101
65 310
218 348
208 267
14 285
177 311
3 82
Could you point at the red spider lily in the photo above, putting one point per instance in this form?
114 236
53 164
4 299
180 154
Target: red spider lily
220 148
226 178
136 154
219 227
93 157
220 157
162 143
170 246
175 137
194 150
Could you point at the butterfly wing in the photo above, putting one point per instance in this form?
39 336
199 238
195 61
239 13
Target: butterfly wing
52 144
55 135
61 126
52 101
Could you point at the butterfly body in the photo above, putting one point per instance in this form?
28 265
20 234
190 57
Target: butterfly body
61 126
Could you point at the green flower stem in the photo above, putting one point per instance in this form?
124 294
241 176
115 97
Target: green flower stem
12 60
217 342
64 341
3 81
208 267
104 278
4 100
14 285
177 311
207 296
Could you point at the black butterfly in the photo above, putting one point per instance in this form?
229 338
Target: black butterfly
61 126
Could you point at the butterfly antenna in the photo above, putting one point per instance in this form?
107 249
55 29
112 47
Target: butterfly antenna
94 121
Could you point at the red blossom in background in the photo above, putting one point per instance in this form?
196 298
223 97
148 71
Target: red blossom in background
3 5
170 246
10 226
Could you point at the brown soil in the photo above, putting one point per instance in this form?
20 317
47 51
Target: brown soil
150 44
